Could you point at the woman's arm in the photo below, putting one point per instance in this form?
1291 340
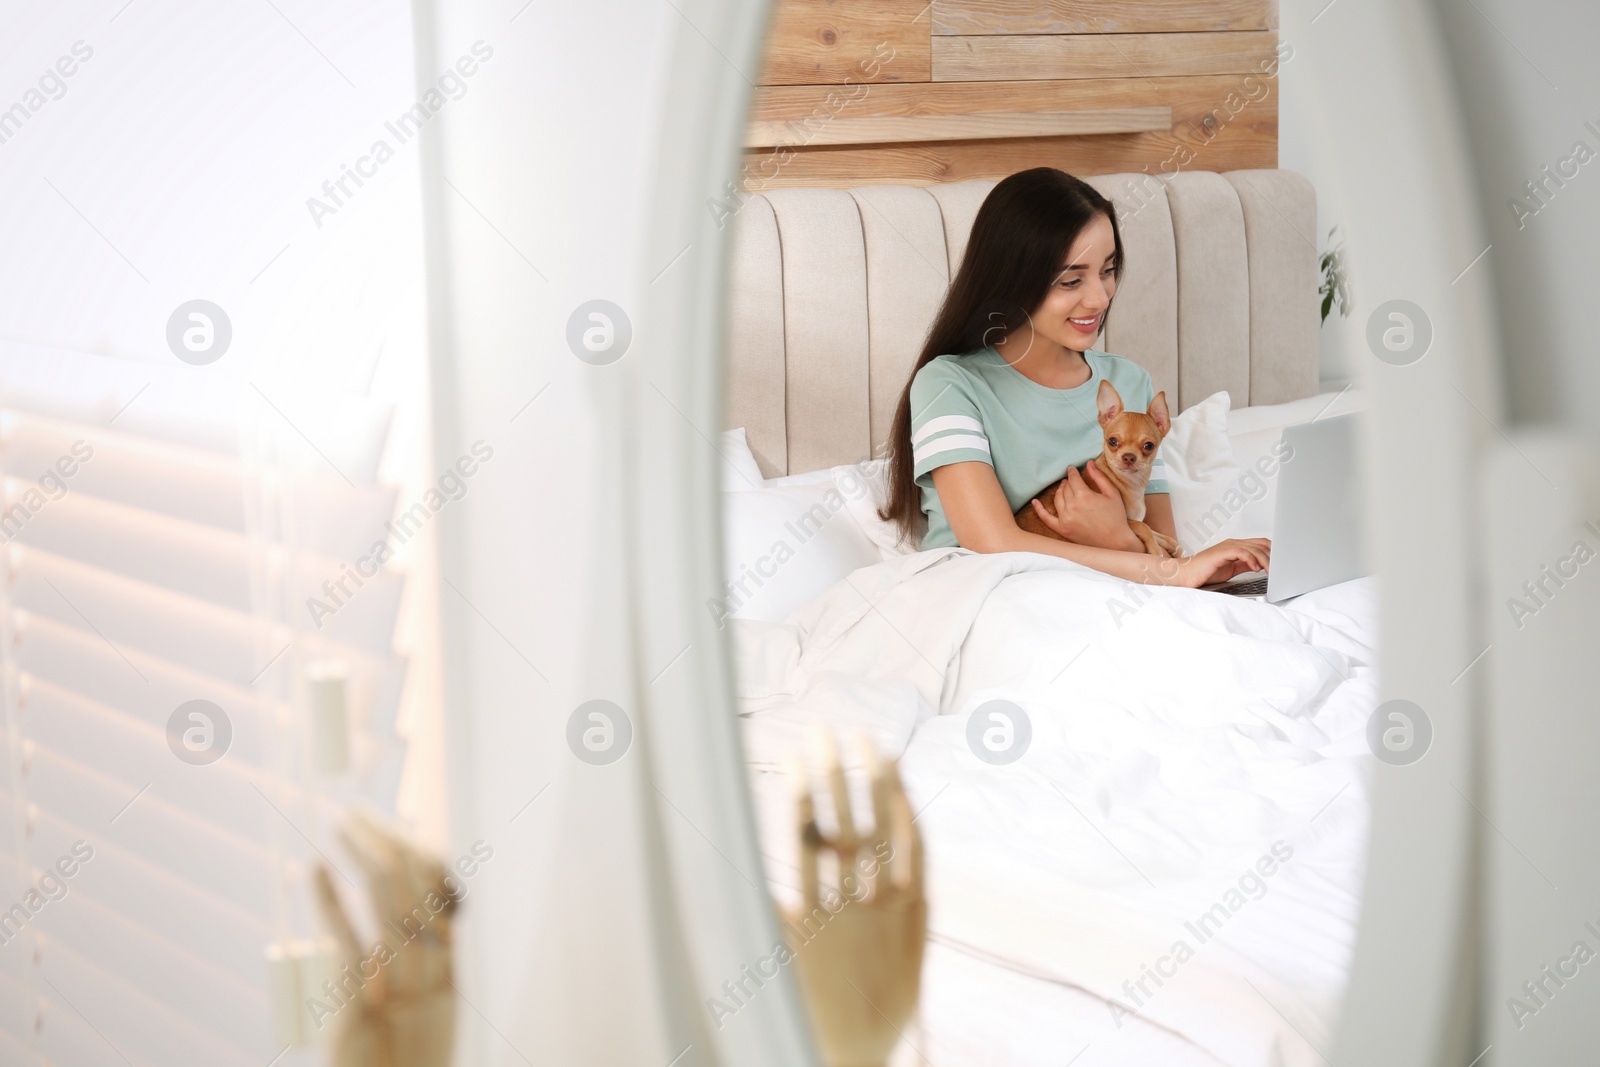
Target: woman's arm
981 519
1158 514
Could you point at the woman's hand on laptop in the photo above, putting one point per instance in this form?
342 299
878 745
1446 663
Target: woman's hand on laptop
1224 560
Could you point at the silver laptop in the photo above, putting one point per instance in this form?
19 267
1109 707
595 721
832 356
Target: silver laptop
1316 522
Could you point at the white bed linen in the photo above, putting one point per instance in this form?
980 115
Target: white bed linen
1176 739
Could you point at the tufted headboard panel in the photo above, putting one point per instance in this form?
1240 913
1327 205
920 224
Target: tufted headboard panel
832 292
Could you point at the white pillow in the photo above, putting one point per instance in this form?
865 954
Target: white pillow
1199 463
865 488
785 546
1196 449
817 477
740 471
1254 497
1200 466
1294 412
1237 500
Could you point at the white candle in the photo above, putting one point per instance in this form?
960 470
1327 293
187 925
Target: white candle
327 684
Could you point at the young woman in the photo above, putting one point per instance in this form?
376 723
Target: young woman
1002 399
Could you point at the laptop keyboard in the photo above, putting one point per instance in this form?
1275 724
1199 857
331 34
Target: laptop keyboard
1254 587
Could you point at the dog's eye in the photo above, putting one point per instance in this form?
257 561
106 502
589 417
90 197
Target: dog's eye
1112 442
1148 445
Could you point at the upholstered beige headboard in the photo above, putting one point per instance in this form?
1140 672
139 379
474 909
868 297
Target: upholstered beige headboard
833 290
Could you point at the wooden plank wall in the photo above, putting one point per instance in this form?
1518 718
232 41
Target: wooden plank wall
859 92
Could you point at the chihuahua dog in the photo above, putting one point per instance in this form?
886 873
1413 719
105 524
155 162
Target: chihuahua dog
1131 440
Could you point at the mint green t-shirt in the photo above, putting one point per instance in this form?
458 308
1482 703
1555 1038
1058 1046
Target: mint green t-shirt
978 407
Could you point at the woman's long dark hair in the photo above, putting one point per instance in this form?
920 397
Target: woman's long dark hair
1019 241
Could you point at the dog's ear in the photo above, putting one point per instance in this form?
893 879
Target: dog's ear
1109 401
1158 411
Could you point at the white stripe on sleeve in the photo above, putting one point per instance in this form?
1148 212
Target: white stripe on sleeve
943 423
950 444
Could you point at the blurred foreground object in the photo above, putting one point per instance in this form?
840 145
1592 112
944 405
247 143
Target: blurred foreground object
391 1004
859 952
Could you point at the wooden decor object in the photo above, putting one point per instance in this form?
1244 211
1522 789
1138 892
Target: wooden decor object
1039 57
961 17
978 126
915 92
816 42
1219 122
859 952
393 1002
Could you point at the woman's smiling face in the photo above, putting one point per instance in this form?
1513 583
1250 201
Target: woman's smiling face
1074 308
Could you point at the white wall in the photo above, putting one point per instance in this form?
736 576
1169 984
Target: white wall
1302 147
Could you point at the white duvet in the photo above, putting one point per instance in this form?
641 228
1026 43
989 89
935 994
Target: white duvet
1170 872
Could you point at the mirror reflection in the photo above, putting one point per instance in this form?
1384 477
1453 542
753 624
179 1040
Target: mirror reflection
1040 506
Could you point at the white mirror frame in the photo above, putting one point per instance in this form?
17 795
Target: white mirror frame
625 894
1400 164
673 407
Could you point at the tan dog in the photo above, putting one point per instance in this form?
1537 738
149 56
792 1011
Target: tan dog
1131 441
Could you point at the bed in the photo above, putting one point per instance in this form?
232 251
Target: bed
1169 870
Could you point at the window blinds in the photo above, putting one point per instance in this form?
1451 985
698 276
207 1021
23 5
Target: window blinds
162 534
